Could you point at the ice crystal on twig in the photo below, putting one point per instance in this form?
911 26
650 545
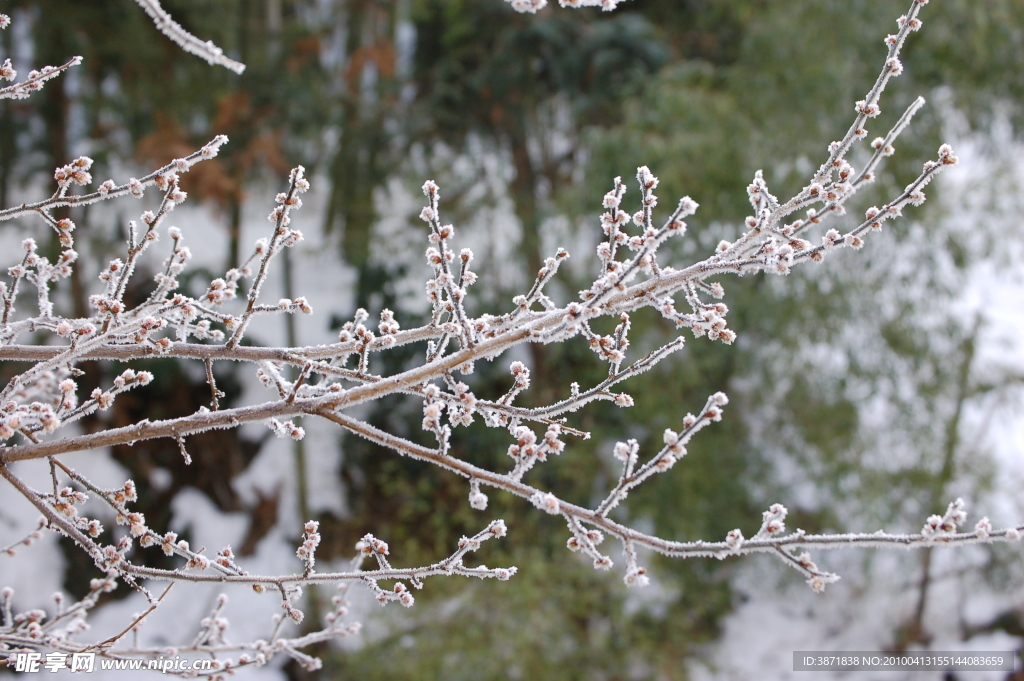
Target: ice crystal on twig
333 381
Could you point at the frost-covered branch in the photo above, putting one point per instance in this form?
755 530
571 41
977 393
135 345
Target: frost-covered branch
58 630
39 405
534 6
35 79
185 40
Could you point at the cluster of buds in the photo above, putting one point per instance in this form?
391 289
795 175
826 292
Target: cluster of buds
64 262
113 556
461 414
819 581
546 502
869 109
169 179
355 328
520 382
626 452
169 543
357 331
27 623
289 237
551 443
586 542
127 494
27 418
202 331
734 540
610 348
939 526
130 378
68 500
111 275
197 560
612 221
102 399
432 420
148 326
371 546
106 305
946 155
387 326
675 449
104 585
300 304
226 559
432 408
577 313
136 188
446 293
185 306
135 521
77 172
310 540
773 521
220 291
211 150
521 375
292 201
635 574
707 319
883 147
279 215
592 537
467 277
527 450
287 429
34 80
477 499
528 6
841 188
615 274
403 595
286 202
64 227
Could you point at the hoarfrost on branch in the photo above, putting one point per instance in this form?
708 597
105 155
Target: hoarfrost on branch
39 405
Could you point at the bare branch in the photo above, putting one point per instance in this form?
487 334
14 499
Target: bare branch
185 40
38 405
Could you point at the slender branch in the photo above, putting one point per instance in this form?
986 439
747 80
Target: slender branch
185 40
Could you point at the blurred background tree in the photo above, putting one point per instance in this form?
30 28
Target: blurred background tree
850 380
